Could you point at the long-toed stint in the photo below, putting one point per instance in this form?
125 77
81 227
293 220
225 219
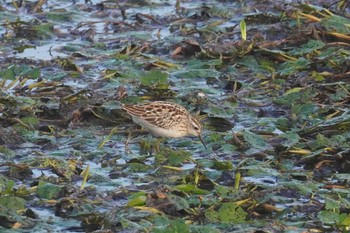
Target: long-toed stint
165 119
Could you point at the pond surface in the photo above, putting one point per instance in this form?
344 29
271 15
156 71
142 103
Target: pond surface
268 80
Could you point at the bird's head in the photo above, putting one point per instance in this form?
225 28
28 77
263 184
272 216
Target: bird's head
195 129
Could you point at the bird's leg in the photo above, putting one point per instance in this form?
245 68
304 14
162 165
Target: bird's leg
128 139
155 147
145 146
150 145
126 145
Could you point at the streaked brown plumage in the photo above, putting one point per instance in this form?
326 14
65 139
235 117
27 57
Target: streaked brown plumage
165 119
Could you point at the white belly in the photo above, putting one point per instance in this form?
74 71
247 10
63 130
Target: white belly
157 131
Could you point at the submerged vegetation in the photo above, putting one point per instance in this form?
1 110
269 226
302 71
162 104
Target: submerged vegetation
269 80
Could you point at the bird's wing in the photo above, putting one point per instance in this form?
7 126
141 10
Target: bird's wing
143 112
159 114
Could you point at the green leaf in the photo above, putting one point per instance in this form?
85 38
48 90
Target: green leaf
328 217
304 111
304 188
292 67
255 140
24 70
44 30
165 225
137 199
176 158
332 204
190 188
35 136
198 64
32 121
308 48
294 90
155 78
138 167
196 73
48 190
60 16
303 96
219 111
344 220
6 151
222 165
8 74
228 213
6 185
179 202
253 64
292 138
12 203
127 224
336 23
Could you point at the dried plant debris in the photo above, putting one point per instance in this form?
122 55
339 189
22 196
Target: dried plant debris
268 80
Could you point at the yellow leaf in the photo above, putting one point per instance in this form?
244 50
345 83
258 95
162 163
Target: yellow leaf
294 90
149 209
300 151
173 168
243 27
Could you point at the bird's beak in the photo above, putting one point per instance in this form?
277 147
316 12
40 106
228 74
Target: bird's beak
201 139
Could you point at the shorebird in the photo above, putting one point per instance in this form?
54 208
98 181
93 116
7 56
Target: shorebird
165 119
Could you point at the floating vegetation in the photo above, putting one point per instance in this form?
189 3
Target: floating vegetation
269 82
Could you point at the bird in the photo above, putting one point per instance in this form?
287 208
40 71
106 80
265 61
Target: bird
165 119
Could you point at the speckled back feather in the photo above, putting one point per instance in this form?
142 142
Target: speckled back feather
156 112
165 119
